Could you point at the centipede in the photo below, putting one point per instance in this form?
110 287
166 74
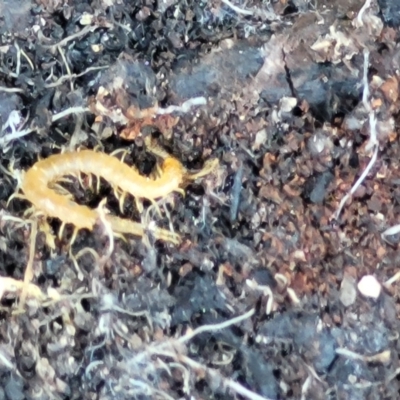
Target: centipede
36 187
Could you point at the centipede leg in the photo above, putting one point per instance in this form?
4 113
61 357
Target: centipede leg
116 193
74 260
181 192
98 147
65 180
61 231
15 196
121 202
45 228
90 181
63 191
156 207
124 155
29 212
139 205
158 171
19 222
123 151
166 236
73 237
28 274
22 222
120 236
168 214
97 184
80 181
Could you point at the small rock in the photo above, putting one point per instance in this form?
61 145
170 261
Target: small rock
369 286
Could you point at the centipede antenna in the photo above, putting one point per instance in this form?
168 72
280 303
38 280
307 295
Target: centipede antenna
209 166
61 230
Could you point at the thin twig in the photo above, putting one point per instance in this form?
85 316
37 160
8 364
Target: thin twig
11 90
66 67
10 285
64 78
14 75
18 68
69 111
359 19
28 275
392 280
83 32
358 183
235 193
28 59
373 142
185 107
18 134
216 327
382 357
230 383
237 9
101 211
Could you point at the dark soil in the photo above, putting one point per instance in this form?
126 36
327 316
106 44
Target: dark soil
264 298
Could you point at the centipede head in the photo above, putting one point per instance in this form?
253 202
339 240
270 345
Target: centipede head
209 167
